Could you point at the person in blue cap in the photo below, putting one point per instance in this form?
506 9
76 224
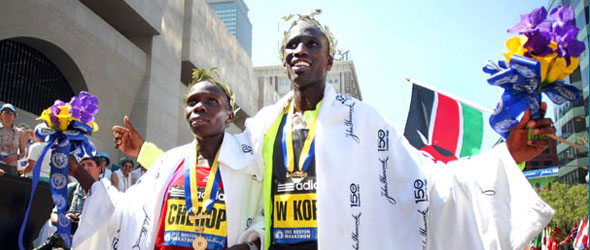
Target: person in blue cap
105 162
12 140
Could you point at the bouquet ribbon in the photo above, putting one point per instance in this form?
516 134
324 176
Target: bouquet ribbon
72 141
522 86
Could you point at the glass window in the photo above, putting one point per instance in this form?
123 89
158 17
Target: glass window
585 72
575 76
586 11
586 104
582 154
581 16
561 158
580 103
580 124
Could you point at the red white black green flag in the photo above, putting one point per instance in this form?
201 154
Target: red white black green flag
441 127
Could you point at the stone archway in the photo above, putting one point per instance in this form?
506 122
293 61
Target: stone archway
34 73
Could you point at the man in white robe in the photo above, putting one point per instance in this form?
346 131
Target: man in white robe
370 188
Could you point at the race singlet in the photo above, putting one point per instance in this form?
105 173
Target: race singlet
294 217
180 229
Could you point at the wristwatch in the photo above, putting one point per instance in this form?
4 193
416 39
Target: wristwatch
251 245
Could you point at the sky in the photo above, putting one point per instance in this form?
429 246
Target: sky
442 43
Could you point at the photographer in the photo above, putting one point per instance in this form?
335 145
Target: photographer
77 194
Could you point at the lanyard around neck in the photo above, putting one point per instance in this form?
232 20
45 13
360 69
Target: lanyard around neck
191 188
307 152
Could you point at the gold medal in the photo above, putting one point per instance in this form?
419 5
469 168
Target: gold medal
200 243
296 174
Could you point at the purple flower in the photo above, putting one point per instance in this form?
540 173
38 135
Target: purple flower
562 16
567 45
84 107
55 106
538 43
55 111
536 20
76 107
565 32
89 102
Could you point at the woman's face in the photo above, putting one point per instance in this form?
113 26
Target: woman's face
207 109
127 168
7 117
103 161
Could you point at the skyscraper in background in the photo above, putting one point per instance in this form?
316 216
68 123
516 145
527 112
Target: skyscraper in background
234 14
571 119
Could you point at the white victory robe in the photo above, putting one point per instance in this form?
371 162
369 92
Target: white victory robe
375 191
114 220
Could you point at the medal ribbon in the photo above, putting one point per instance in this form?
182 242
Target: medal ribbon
190 185
307 152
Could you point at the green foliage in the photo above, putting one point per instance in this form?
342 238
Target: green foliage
570 204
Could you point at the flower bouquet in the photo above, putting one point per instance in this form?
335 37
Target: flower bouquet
65 129
60 116
544 53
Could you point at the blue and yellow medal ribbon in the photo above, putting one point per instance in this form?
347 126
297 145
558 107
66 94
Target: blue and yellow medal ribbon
190 185
307 152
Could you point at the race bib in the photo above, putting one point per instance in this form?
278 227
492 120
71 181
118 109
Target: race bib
295 218
181 230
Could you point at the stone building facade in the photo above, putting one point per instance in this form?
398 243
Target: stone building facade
136 56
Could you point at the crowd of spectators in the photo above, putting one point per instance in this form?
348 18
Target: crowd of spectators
20 150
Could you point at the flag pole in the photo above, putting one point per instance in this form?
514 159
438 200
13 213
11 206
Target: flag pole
466 102
482 109
554 137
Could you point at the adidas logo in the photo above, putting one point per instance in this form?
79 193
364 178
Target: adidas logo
309 185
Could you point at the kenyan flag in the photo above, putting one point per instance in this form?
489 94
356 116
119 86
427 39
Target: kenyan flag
441 127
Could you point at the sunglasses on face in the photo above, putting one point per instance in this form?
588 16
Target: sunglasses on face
7 111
